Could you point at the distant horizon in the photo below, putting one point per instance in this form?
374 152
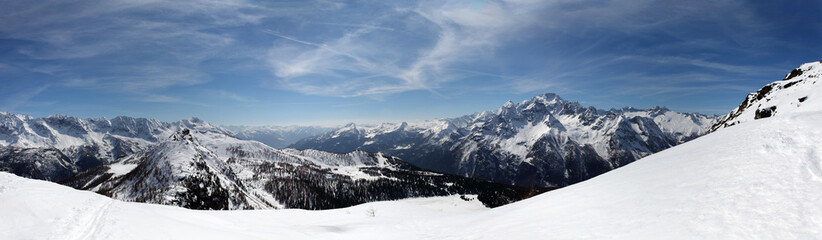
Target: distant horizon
341 124
326 63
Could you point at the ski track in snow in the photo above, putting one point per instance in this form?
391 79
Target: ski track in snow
85 220
91 227
814 165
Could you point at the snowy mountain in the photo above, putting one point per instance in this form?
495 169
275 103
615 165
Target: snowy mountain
178 172
194 164
276 136
210 170
544 141
39 163
790 94
755 180
70 144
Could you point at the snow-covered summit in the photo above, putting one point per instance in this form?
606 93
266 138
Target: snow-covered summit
797 92
178 171
182 135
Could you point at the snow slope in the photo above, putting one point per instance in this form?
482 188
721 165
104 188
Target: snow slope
757 180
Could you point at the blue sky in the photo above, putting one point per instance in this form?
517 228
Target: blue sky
328 62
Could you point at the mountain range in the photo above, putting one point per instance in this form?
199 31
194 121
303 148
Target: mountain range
276 136
544 141
194 164
538 144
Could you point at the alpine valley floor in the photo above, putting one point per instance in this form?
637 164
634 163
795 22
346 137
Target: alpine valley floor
757 180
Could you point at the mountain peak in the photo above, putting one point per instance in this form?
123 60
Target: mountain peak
545 99
193 122
182 135
802 69
659 109
548 97
508 104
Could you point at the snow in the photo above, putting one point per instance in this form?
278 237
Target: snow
355 173
402 147
758 180
673 122
567 127
784 95
85 215
525 138
121 168
439 128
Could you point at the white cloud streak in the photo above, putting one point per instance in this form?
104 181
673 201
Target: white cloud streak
138 48
466 34
17 99
425 46
229 95
461 34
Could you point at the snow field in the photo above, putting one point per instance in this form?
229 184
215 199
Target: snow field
759 180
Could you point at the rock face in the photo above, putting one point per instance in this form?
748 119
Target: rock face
793 93
544 141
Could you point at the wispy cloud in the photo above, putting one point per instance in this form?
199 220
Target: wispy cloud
628 49
119 25
359 62
165 99
364 56
228 95
157 98
356 26
380 67
700 62
138 78
12 100
139 48
6 68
